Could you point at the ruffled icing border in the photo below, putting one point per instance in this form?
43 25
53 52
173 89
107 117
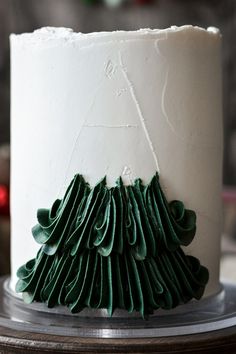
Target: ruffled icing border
111 248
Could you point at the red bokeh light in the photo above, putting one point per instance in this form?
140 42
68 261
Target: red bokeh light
4 200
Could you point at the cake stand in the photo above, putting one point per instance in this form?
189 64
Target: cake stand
208 326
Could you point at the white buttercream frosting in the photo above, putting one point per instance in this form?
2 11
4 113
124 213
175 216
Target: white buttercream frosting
117 104
52 33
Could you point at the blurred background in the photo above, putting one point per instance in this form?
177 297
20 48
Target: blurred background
17 16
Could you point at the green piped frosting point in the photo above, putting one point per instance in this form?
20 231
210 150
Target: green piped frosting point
117 247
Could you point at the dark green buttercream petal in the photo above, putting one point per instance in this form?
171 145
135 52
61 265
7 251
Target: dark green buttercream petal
140 249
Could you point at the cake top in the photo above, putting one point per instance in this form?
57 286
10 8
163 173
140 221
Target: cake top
47 34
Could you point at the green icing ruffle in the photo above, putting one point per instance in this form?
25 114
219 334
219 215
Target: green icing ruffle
113 248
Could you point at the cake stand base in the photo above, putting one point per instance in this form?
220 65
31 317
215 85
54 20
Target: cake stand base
208 326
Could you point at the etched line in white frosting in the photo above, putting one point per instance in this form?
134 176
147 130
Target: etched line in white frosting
79 134
156 44
110 126
119 92
127 173
139 111
163 94
110 69
163 108
185 140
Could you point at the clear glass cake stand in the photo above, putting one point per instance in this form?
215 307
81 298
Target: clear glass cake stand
210 314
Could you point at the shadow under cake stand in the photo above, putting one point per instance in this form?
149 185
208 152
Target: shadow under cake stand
208 326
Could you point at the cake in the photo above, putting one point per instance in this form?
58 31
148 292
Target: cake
116 141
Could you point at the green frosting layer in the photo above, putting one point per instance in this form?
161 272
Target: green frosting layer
113 248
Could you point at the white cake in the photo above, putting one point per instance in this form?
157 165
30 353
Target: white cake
126 104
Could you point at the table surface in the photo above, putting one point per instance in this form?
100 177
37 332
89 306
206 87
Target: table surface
222 341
